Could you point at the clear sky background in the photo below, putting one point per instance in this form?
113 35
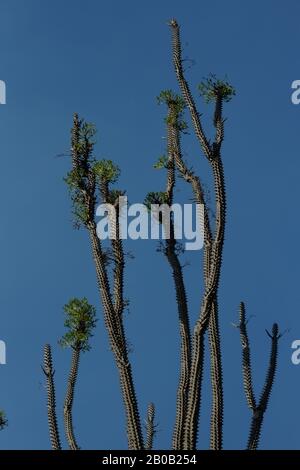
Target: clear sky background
108 61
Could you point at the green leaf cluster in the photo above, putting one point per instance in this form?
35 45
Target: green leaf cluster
80 322
171 99
211 88
155 198
106 170
176 105
162 162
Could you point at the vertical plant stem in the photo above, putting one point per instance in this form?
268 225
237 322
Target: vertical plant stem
116 334
259 412
181 298
150 427
208 308
216 426
51 400
69 399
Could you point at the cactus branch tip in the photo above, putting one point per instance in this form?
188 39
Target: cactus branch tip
173 23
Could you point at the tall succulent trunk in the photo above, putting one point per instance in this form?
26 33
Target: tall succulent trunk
181 298
116 334
51 400
69 399
212 274
150 427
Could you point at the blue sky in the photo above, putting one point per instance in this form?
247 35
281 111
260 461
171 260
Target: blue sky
108 61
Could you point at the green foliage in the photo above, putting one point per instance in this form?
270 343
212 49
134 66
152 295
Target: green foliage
80 179
80 322
171 99
176 105
155 198
80 211
75 180
3 420
175 121
88 131
106 170
162 162
86 141
212 87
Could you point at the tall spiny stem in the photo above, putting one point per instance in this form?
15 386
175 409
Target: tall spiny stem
214 337
181 298
80 321
212 152
117 340
69 399
216 371
185 90
51 401
246 359
150 427
259 411
216 429
112 309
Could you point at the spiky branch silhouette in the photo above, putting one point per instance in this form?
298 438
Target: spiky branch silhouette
177 126
51 405
218 91
80 322
258 410
87 176
68 405
150 426
171 248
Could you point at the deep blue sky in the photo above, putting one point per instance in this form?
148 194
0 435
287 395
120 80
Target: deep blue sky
108 61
